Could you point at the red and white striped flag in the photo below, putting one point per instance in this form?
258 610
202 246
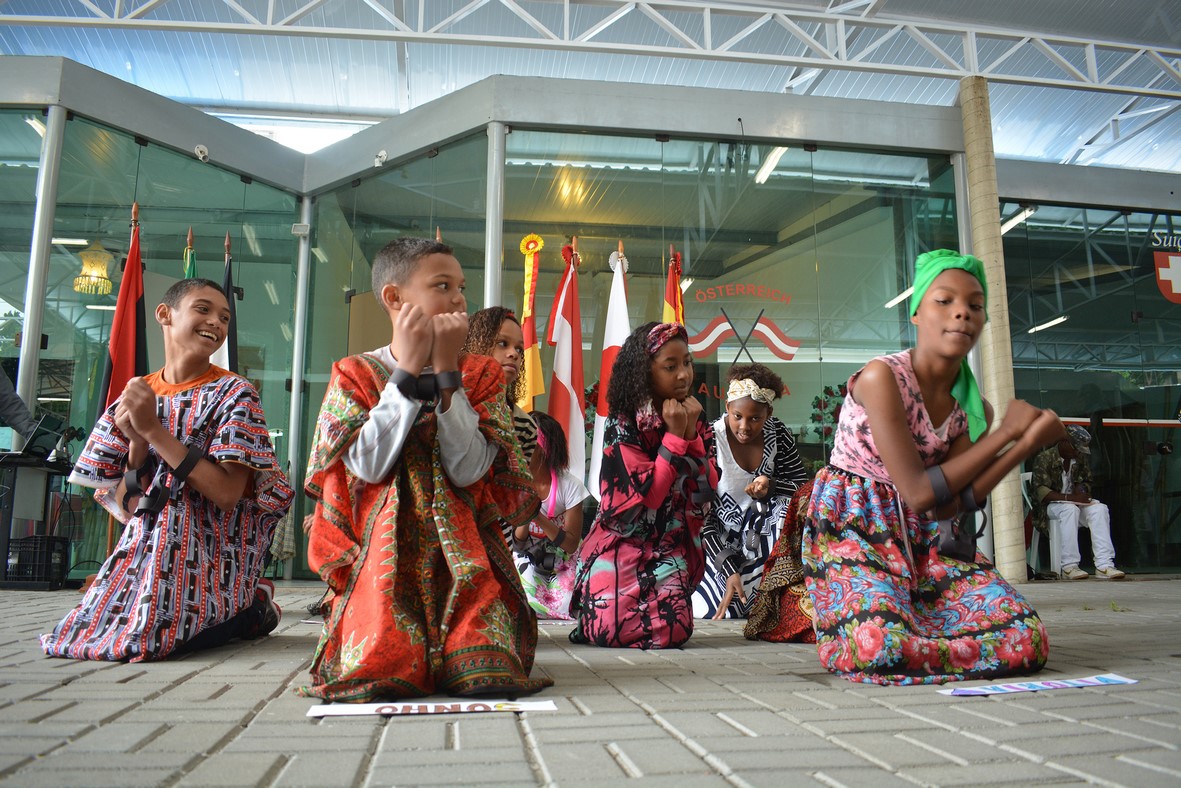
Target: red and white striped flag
566 403
617 330
779 343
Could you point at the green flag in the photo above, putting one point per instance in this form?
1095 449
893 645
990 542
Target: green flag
190 270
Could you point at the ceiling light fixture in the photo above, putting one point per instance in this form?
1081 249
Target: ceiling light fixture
1017 218
1048 324
269 286
769 164
898 299
69 241
96 262
37 125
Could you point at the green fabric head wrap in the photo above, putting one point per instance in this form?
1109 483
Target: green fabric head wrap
964 389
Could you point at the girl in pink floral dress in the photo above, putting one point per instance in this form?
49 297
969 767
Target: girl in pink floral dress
913 445
639 564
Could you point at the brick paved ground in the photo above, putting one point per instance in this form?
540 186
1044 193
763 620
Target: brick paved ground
723 710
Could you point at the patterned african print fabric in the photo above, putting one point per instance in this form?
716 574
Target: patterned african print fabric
192 566
424 597
782 612
639 564
737 518
889 608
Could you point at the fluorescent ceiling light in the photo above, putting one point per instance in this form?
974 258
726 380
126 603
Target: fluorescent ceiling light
69 241
53 399
269 286
1048 324
37 126
319 253
252 240
769 164
1017 218
286 330
898 299
102 307
686 283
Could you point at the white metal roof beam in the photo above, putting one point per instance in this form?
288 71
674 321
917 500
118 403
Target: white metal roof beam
1058 53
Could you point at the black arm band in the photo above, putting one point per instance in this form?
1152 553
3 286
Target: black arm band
182 471
406 383
131 482
451 379
939 486
968 500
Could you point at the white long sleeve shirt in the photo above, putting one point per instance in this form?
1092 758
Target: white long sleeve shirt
466 455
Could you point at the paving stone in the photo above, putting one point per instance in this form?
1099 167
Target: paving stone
239 702
234 769
314 770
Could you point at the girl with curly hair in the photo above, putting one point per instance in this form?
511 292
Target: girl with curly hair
543 548
639 564
758 469
496 332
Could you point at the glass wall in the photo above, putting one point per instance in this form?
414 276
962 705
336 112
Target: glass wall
103 171
808 245
443 191
1095 309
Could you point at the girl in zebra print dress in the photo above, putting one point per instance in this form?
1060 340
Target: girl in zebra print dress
759 469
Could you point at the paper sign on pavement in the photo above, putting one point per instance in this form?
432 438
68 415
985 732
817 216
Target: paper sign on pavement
1038 686
428 706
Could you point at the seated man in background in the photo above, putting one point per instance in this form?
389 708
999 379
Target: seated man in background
1062 481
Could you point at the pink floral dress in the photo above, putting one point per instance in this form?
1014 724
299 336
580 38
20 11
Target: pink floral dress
889 608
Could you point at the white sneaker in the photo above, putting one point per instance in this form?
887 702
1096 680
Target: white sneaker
1108 573
1072 572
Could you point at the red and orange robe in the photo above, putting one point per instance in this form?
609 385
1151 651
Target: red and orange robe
424 597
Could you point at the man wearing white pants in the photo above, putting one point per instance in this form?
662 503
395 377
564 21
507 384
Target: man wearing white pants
1062 479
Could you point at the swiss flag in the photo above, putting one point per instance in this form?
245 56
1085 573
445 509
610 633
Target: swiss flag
1168 274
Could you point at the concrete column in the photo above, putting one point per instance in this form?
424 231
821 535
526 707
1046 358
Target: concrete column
494 214
996 350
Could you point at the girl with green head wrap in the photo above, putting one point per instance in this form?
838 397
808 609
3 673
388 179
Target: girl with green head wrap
964 389
912 446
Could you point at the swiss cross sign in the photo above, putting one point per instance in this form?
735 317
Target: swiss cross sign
1168 274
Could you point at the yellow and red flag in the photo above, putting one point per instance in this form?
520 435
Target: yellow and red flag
531 246
674 303
127 352
566 398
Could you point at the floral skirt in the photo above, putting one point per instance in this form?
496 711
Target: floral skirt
886 614
549 592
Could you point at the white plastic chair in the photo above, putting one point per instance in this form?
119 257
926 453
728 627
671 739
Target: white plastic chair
1036 540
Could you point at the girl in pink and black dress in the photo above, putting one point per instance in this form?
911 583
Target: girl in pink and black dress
639 564
912 446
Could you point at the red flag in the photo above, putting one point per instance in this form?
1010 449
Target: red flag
618 328
566 402
128 350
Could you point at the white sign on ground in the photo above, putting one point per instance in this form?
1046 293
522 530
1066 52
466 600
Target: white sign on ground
428 706
1037 686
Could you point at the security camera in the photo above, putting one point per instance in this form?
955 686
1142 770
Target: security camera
380 158
201 152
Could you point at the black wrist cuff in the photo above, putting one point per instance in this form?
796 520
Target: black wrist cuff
451 379
968 500
939 486
406 383
182 471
